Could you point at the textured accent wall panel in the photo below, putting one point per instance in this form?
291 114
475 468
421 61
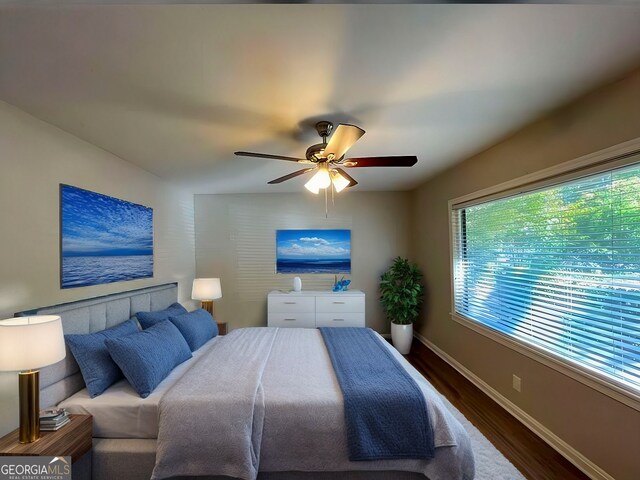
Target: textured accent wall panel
236 242
254 236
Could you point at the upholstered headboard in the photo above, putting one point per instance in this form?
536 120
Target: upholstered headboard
63 379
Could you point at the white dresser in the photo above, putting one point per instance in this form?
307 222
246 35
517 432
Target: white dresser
313 309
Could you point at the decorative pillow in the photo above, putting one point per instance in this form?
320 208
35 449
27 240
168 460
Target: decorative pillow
147 357
148 319
96 365
197 327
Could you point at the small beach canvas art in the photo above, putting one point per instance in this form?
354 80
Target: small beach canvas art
313 251
103 239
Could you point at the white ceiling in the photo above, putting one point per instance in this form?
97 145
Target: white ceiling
177 89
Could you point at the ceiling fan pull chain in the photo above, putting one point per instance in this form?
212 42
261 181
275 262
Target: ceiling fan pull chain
326 205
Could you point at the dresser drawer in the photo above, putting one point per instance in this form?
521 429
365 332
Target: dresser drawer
340 319
292 320
339 304
291 304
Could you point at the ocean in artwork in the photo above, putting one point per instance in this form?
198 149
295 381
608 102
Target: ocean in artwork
85 271
103 239
314 266
313 251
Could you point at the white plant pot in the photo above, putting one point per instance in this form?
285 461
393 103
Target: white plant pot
402 336
297 284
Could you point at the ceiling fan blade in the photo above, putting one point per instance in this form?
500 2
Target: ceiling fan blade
342 140
274 157
291 175
352 181
400 161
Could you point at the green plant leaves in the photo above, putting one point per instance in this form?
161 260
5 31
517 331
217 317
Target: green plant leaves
401 291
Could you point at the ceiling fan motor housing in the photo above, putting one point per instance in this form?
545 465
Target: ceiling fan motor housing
316 152
324 129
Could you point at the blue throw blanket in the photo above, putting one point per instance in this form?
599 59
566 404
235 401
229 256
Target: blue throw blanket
386 413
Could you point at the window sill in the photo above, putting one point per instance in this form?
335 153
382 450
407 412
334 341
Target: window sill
587 377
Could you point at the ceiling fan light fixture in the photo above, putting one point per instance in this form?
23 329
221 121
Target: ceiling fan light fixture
320 180
312 187
339 182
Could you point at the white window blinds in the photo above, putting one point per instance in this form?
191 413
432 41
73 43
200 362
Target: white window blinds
558 268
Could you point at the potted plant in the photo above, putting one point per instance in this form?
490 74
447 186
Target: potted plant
401 295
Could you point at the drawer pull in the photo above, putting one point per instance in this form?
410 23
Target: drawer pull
338 319
289 303
338 303
289 319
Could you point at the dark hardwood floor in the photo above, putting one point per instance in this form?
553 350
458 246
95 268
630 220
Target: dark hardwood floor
528 452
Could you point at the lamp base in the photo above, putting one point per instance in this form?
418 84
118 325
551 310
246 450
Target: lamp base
29 389
208 306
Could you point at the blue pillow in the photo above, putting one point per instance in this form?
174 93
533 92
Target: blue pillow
96 365
147 357
197 327
148 319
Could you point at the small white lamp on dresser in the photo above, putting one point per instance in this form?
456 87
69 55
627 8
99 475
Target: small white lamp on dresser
311 309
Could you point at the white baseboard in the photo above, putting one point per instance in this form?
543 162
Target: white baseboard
562 447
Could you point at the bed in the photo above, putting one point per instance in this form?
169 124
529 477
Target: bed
301 411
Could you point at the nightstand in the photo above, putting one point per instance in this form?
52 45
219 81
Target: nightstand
73 440
222 328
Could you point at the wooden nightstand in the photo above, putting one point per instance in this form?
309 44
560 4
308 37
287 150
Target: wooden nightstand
222 328
73 440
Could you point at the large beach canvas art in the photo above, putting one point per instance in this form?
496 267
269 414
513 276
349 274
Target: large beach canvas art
103 239
313 251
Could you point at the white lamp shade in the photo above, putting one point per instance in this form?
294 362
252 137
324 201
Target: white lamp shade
320 180
312 187
29 343
339 182
206 289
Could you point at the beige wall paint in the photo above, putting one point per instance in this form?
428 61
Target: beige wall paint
235 240
35 158
604 430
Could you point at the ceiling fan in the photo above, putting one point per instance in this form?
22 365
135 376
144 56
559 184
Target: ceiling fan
327 159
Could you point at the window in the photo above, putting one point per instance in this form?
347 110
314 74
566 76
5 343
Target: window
558 269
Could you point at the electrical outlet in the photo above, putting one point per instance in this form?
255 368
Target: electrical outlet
517 383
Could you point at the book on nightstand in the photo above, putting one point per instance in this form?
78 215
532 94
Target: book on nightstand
52 420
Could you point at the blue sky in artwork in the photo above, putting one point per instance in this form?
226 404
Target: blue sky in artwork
98 225
313 244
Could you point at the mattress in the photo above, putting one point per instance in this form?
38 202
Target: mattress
120 412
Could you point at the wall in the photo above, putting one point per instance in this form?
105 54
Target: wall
604 430
235 240
35 157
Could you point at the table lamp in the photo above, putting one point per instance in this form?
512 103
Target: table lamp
27 344
206 290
